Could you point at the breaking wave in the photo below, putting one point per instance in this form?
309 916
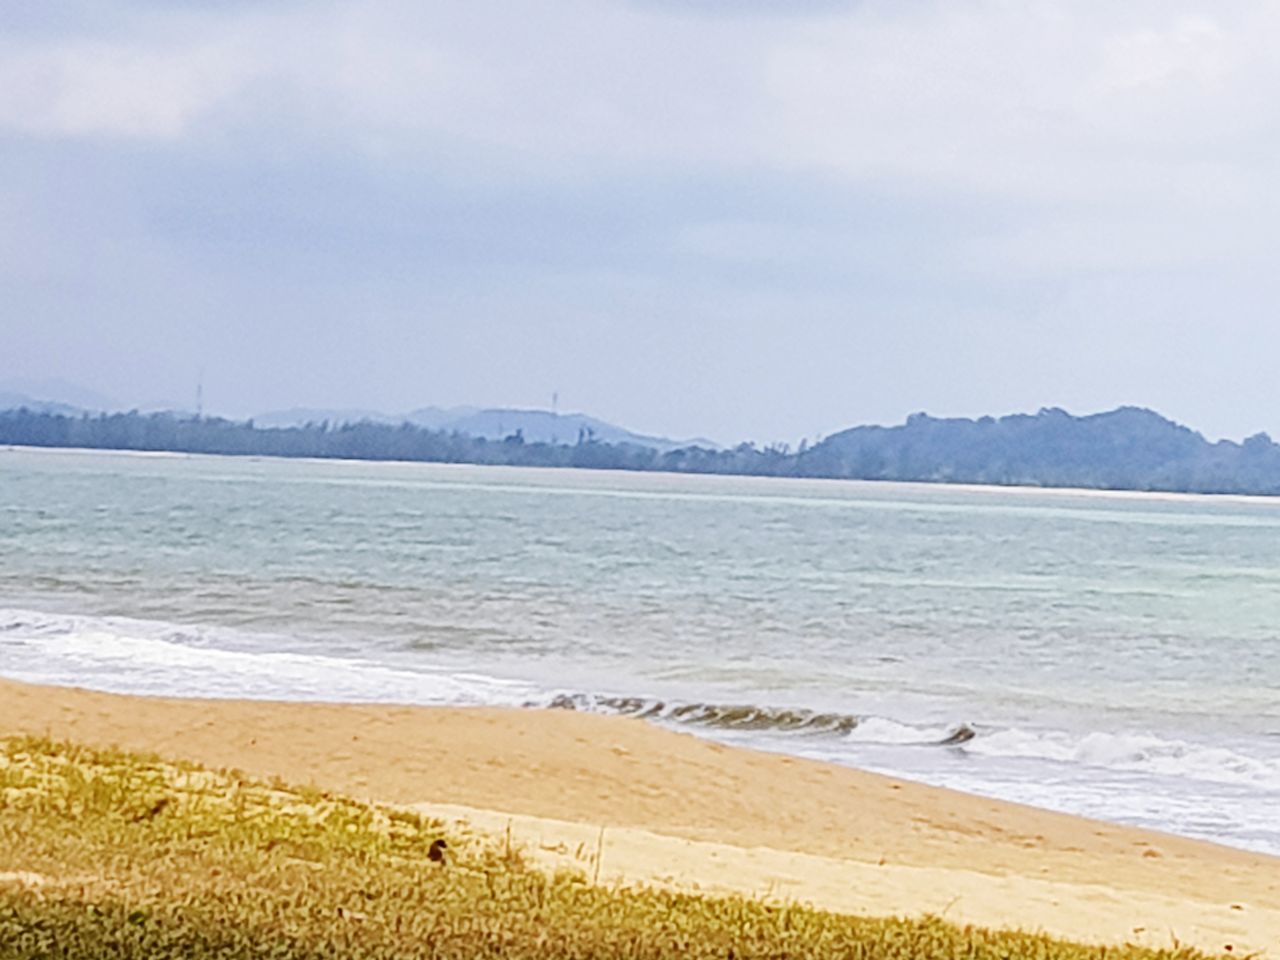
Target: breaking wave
763 719
721 716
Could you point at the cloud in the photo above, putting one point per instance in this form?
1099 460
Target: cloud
1149 112
1020 100
1046 99
1145 125
1191 52
101 88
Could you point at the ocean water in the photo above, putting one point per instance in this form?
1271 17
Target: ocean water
1108 655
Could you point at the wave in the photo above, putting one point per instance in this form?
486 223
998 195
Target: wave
722 716
848 736
124 655
883 731
152 657
763 719
1138 753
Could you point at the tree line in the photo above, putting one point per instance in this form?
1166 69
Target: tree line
365 440
1125 449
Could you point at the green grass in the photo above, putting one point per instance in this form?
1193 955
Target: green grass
143 858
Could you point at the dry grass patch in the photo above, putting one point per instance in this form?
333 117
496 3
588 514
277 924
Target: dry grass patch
136 857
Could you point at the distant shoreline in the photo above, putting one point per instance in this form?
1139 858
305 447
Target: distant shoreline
1169 496
1126 449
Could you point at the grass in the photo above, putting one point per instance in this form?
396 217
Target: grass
130 856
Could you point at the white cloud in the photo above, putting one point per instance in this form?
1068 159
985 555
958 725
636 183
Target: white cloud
96 88
1151 122
999 95
1193 52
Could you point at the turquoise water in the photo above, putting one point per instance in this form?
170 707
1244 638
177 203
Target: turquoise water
1109 655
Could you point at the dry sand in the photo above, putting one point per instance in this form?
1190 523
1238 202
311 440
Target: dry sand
688 813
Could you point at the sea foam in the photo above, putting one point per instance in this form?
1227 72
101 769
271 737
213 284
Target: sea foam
124 655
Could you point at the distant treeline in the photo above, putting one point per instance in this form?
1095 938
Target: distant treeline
1125 449
365 440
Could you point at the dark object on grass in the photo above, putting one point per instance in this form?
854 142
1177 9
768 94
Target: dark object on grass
436 853
156 809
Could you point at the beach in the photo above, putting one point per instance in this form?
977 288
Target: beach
680 811
1110 655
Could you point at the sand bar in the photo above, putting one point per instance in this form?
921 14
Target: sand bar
685 812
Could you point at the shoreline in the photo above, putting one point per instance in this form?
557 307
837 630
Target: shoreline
1100 493
681 810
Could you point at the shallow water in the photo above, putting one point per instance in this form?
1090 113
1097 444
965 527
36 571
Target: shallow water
1112 655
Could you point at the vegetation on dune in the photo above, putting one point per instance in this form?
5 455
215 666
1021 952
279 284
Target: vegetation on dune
112 855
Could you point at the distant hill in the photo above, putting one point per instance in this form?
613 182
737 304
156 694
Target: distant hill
1125 449
301 416
51 392
71 399
439 418
543 426
533 426
1129 448
12 401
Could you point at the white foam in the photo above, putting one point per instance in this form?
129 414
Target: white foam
882 730
150 657
1134 753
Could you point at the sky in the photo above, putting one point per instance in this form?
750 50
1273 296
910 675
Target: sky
730 218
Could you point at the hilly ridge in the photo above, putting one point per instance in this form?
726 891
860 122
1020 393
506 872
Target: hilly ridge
489 423
1129 448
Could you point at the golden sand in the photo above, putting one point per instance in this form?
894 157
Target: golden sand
680 811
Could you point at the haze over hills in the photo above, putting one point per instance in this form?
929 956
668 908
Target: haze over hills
69 398
14 401
497 423
51 392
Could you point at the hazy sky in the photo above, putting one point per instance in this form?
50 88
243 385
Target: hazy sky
735 219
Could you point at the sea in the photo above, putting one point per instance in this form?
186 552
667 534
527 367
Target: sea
1115 655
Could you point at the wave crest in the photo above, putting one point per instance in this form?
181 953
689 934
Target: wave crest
716 715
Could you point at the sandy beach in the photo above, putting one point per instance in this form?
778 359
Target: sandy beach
683 812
